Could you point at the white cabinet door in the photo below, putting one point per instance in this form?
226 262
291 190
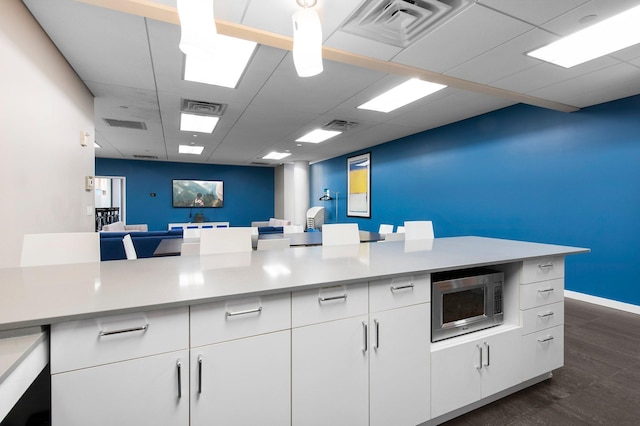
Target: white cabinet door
330 369
242 382
399 366
502 362
151 391
455 377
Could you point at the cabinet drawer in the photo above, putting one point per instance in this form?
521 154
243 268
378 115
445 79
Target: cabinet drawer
541 317
542 293
329 303
237 318
542 352
398 292
542 269
97 341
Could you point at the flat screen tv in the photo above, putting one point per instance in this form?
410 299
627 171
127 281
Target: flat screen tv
197 193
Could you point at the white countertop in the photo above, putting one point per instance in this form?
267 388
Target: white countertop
48 294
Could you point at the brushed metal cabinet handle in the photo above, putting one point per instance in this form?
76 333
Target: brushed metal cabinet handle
124 330
248 311
327 299
377 331
179 367
401 287
546 290
546 315
365 336
546 339
199 374
488 347
545 265
479 366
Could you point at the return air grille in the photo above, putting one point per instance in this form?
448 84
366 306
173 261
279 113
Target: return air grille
145 157
125 124
339 125
401 22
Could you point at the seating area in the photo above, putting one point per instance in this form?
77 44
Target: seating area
145 243
119 226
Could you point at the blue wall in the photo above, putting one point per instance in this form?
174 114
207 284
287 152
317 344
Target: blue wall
248 191
522 173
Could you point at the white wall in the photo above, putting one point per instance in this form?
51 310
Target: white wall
44 108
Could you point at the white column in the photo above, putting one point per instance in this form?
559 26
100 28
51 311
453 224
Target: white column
301 191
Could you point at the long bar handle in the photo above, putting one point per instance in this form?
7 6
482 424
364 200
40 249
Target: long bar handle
545 265
327 299
401 287
488 347
479 367
546 339
179 367
546 290
365 336
377 331
199 374
124 330
548 314
248 311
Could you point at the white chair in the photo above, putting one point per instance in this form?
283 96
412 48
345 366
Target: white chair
274 244
400 230
189 249
225 240
292 229
129 249
335 234
385 229
419 230
191 234
394 236
60 248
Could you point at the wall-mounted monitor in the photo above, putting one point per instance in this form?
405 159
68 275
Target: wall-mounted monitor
197 193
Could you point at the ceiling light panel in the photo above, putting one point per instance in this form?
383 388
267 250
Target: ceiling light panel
190 149
608 36
197 123
318 135
276 155
401 95
224 66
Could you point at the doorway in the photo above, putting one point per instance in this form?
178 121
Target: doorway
110 196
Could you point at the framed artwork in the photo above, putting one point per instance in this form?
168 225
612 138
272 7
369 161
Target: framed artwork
359 185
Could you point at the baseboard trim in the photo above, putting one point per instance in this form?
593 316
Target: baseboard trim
621 306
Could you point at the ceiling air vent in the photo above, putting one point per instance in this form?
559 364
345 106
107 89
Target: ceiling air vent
400 22
258 163
125 124
145 157
339 125
203 108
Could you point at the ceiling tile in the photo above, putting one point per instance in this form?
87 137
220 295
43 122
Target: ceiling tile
533 11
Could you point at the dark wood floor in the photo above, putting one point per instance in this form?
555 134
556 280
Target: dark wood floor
599 384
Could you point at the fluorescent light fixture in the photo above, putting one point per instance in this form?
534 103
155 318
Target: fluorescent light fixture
198 26
223 65
307 42
600 39
197 123
190 149
401 95
276 155
95 145
318 135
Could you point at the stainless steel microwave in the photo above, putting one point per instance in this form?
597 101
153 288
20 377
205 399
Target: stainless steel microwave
464 301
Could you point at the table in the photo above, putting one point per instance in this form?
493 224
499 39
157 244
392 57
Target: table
173 246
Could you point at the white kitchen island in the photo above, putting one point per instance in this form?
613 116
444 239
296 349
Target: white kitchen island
302 336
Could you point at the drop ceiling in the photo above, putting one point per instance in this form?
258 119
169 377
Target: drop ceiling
126 52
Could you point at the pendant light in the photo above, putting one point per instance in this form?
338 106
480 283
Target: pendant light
307 40
197 25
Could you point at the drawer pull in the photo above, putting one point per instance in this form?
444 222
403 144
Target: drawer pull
248 311
547 315
401 287
327 299
544 266
179 367
546 339
546 290
124 330
199 374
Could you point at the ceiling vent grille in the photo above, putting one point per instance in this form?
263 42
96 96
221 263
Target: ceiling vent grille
145 157
339 125
203 108
401 22
125 124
